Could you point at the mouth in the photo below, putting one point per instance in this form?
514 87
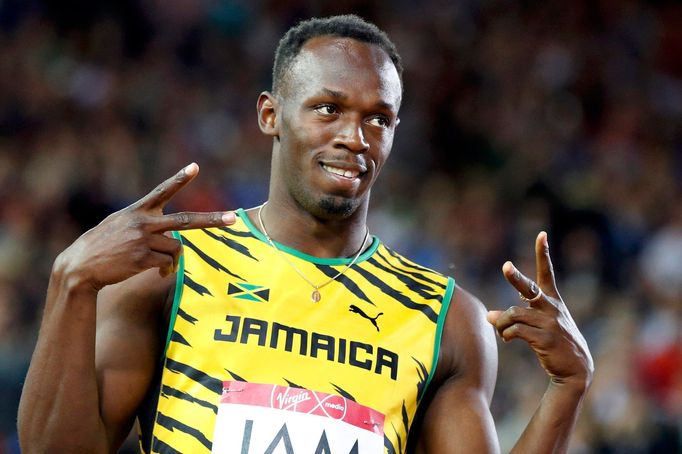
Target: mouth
347 173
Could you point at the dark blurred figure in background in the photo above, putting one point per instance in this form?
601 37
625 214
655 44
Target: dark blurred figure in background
563 116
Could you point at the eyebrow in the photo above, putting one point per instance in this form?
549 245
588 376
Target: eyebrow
342 96
334 93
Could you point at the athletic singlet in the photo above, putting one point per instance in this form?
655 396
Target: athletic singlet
253 365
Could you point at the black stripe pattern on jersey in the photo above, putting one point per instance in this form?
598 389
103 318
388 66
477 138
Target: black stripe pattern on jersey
345 281
185 316
179 338
200 289
400 441
205 380
406 423
210 261
423 375
292 384
235 376
402 299
234 232
418 275
390 449
167 391
412 284
413 266
343 392
163 448
232 244
173 424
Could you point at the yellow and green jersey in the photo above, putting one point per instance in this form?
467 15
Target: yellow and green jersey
242 314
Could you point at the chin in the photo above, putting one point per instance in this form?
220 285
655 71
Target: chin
324 205
337 207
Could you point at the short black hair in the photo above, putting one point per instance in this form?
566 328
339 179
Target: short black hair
343 26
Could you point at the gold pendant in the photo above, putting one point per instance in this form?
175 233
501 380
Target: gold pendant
315 296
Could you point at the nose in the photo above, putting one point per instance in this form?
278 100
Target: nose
351 136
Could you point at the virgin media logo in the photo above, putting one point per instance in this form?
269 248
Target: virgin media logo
309 402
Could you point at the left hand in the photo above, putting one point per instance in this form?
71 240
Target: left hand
545 324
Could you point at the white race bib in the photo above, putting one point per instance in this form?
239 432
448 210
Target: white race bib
270 419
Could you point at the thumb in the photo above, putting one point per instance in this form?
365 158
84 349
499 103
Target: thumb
492 316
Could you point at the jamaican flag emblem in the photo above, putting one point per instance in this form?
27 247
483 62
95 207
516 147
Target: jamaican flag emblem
249 292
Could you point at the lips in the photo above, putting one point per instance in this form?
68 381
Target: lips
345 170
341 172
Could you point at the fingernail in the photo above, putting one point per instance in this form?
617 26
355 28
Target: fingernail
191 169
508 266
228 218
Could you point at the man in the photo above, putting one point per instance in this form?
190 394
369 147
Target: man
288 327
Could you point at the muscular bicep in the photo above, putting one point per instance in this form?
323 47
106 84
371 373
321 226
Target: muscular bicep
129 342
457 418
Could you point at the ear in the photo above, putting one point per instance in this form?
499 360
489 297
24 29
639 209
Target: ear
267 114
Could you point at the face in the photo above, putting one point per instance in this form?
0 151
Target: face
335 117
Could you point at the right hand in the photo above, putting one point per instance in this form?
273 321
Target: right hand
545 323
134 239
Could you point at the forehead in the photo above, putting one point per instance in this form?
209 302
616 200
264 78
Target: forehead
344 65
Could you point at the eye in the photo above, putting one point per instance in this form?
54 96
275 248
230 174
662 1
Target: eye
380 120
326 109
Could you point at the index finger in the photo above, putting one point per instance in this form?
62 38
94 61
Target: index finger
165 191
189 220
526 287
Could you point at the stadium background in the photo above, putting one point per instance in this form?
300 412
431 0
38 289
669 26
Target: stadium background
518 116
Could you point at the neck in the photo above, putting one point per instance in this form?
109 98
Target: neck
298 229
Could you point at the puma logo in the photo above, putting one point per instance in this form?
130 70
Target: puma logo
361 313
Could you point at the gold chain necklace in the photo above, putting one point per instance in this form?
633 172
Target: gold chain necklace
315 296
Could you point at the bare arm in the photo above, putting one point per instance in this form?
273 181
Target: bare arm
458 419
131 329
99 337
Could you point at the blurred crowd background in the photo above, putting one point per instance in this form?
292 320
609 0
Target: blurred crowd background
518 116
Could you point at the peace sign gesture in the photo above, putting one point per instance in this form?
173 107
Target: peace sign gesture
134 239
545 323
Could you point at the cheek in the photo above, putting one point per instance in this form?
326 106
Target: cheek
317 134
380 162
293 143
383 148
305 137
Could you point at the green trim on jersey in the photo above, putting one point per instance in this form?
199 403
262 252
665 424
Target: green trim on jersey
310 258
439 329
179 277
